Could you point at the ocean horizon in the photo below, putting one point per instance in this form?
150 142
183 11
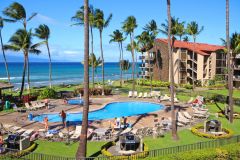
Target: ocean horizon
62 73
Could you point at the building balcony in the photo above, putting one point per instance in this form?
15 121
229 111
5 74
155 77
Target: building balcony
182 69
236 67
194 69
145 65
236 78
146 58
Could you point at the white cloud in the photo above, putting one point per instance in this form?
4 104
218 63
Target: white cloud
45 19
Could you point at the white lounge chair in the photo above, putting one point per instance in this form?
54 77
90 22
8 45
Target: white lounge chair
140 95
135 94
165 98
182 119
187 115
27 133
20 131
27 105
14 129
145 95
77 132
130 94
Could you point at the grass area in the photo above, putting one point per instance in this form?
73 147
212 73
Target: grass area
236 93
61 149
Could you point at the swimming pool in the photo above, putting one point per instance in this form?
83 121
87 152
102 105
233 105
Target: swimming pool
75 101
111 110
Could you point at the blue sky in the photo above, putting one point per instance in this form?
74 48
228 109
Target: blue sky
66 42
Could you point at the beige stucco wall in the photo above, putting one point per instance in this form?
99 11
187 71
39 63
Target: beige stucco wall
200 63
213 65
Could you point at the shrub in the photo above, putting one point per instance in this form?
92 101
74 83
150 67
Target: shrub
48 93
231 151
93 91
188 86
195 130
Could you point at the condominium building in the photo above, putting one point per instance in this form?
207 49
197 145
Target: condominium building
191 62
236 73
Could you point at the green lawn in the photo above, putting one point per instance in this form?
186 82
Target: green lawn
236 93
61 149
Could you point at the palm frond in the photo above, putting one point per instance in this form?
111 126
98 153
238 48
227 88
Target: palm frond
32 16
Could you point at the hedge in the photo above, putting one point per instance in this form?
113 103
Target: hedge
93 91
195 130
105 152
227 152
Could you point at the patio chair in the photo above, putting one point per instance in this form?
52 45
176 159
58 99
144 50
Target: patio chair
14 129
130 94
182 119
187 115
29 107
165 98
135 94
179 124
145 95
27 133
77 132
140 95
20 131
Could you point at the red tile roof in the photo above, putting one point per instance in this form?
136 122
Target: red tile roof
200 48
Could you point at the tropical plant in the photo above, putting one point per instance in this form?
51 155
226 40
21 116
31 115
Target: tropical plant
4 56
125 65
193 30
22 41
94 63
43 32
17 13
117 36
48 93
82 148
186 39
79 19
128 27
181 30
101 23
230 70
171 32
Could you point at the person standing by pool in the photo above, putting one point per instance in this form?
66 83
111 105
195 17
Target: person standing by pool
46 123
63 116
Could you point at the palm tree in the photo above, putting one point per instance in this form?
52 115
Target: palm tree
186 39
43 32
101 23
153 31
17 13
232 49
128 27
82 148
193 30
117 36
181 31
22 41
94 62
4 56
171 32
79 19
125 65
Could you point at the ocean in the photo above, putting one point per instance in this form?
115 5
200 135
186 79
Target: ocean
62 73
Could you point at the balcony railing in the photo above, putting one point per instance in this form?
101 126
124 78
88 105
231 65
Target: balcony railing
146 58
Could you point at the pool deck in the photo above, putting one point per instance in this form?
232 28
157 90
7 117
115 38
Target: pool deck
57 105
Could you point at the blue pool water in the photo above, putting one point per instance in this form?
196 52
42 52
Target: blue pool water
75 101
111 110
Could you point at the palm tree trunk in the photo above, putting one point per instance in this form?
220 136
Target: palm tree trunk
82 148
173 115
28 74
23 76
229 66
120 68
102 63
122 60
50 66
91 32
4 57
133 62
157 60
